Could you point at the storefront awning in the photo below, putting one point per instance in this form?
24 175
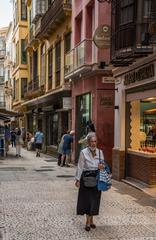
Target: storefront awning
7 114
52 96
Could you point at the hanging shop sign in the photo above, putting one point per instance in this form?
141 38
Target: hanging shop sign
67 103
139 75
102 37
111 80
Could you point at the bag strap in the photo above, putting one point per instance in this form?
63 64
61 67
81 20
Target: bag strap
99 155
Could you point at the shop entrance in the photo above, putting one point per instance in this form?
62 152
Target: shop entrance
83 115
141 139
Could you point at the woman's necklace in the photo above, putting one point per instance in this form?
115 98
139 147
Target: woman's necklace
93 152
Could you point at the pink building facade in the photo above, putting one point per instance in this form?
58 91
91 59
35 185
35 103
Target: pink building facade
87 68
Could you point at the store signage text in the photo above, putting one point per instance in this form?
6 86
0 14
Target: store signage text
139 75
102 37
106 102
67 103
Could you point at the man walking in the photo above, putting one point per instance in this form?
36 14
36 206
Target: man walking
38 142
66 148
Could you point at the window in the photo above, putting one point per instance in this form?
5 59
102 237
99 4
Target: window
17 54
2 46
23 52
58 63
17 89
50 68
67 42
127 11
147 7
35 70
1 74
14 86
15 13
1 71
23 86
31 67
142 122
23 10
43 65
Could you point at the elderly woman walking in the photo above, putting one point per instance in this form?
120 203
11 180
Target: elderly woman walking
88 196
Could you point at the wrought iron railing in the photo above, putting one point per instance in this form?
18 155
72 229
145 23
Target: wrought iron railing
2 101
33 85
52 12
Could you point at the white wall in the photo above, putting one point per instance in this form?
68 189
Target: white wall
119 133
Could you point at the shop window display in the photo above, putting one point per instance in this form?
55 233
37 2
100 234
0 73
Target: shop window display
142 125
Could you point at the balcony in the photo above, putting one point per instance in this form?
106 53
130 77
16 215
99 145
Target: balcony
57 12
126 56
33 85
80 59
2 101
33 89
40 7
69 62
37 29
2 53
1 80
31 41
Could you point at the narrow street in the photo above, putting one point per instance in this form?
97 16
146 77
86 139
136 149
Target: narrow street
38 201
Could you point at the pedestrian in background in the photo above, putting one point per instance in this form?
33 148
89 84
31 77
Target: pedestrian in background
60 151
38 142
7 138
89 197
19 142
67 148
13 138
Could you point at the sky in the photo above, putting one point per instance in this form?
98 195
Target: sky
5 13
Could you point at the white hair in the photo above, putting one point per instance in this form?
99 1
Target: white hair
90 136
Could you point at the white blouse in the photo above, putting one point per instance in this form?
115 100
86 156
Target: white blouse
87 161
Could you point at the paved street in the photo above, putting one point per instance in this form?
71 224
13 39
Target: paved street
38 201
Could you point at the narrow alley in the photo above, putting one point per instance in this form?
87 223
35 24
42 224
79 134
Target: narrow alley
38 202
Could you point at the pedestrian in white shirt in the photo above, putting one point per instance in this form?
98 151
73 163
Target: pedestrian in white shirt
89 197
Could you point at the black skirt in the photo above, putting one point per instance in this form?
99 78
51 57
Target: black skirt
88 200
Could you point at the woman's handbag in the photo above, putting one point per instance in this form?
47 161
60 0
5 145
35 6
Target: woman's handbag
89 179
104 182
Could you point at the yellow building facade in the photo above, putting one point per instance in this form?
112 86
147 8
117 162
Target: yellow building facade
20 70
48 98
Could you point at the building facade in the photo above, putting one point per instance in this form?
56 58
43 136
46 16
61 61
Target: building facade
86 66
8 68
133 55
19 67
48 95
3 32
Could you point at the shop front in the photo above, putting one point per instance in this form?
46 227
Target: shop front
93 100
134 155
52 115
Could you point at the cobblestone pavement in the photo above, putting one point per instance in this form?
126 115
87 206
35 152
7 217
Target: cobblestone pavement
38 202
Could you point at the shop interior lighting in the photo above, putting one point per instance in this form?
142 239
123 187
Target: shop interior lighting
151 99
153 110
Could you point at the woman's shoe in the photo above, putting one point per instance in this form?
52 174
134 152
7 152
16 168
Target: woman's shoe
93 225
87 228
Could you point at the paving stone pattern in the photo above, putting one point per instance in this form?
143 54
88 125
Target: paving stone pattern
38 205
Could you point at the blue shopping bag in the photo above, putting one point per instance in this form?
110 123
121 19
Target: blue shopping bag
104 182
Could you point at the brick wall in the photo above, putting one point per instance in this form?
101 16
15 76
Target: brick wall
142 168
